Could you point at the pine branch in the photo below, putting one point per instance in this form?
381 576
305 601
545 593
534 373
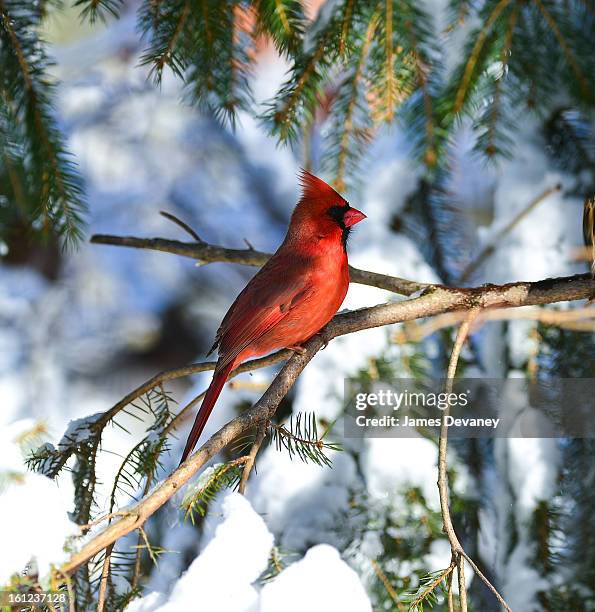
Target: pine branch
331 39
207 43
51 180
494 84
301 439
492 141
570 141
295 103
426 592
392 65
351 130
419 111
477 57
569 54
284 22
211 482
94 10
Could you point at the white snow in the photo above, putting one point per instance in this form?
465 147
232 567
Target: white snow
393 464
320 582
26 535
235 550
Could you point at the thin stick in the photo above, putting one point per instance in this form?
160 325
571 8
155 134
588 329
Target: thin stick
462 586
104 578
457 550
490 586
442 447
449 597
386 583
183 225
495 242
443 443
105 517
252 457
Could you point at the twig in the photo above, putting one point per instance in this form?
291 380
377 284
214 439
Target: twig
138 553
449 596
490 586
387 585
462 586
496 240
181 416
436 300
193 368
183 225
148 546
104 578
456 547
252 457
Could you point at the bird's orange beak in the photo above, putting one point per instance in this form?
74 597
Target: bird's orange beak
353 216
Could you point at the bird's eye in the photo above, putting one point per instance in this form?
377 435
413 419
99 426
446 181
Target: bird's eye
337 213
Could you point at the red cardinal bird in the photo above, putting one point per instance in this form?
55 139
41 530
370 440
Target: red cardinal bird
295 293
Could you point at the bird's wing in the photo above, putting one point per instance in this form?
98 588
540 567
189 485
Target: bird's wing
278 288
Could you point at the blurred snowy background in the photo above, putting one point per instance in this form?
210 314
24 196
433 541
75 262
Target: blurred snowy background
79 330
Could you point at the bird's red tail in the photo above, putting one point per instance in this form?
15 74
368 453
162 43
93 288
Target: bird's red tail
206 408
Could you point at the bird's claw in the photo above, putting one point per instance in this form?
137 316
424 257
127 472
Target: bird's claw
325 340
300 350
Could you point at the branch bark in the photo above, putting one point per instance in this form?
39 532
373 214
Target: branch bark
434 300
209 253
252 457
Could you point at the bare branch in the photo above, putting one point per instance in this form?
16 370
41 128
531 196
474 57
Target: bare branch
104 578
210 253
252 457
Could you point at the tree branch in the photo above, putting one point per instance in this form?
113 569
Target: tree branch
576 319
435 300
209 253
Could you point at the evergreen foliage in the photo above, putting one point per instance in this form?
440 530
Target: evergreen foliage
301 439
40 188
367 63
564 526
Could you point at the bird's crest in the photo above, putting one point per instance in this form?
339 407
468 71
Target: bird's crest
314 188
